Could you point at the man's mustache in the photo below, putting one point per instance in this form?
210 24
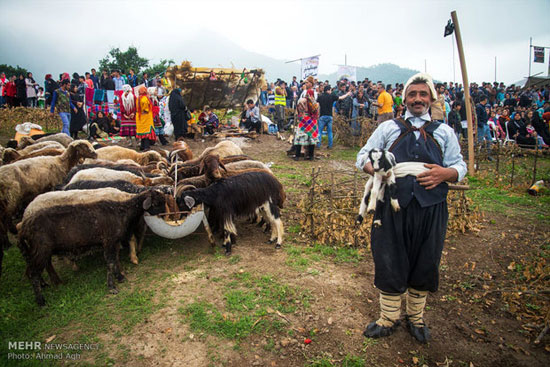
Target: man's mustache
419 104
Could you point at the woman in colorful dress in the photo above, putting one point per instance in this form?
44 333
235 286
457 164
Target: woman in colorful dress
307 133
128 113
145 129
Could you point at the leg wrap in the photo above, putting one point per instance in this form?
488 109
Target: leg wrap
390 309
416 301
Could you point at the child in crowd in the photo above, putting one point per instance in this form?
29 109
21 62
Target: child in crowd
41 98
209 120
495 126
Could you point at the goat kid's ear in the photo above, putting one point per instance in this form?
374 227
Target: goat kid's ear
189 201
147 203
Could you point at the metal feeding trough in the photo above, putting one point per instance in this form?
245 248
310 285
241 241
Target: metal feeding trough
178 228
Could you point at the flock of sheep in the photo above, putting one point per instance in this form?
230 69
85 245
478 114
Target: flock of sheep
67 198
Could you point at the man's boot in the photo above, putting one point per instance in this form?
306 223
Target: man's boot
390 311
163 140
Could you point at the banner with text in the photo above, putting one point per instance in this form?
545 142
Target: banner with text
310 66
348 72
539 54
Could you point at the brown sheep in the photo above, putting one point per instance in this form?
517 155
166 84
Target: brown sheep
181 150
115 153
40 146
22 181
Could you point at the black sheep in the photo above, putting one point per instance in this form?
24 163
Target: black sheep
240 196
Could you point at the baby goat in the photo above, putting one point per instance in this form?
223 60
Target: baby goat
383 162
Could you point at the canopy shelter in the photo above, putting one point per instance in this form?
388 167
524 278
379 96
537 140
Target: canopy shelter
217 87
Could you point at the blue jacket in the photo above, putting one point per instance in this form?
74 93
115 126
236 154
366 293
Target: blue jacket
482 117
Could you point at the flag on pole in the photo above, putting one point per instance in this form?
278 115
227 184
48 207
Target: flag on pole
449 28
310 66
348 72
539 54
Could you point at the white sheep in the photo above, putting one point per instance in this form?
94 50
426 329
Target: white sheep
383 162
222 149
106 174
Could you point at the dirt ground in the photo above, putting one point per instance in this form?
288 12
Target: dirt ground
467 330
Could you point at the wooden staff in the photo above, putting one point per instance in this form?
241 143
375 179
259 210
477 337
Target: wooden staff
471 170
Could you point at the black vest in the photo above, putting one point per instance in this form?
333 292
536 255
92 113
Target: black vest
407 148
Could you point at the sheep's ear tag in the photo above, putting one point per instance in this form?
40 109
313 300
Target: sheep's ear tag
189 201
147 203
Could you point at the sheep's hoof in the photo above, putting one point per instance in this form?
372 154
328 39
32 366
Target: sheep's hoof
278 246
113 291
121 278
377 223
227 252
270 242
134 260
359 219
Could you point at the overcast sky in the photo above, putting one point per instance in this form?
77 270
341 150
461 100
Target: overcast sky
55 36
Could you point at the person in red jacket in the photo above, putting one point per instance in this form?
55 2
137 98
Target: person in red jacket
10 92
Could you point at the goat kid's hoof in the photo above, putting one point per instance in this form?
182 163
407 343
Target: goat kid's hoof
134 261
359 219
121 279
41 301
278 246
270 242
377 223
113 291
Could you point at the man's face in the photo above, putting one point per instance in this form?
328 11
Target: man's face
418 99
441 90
250 106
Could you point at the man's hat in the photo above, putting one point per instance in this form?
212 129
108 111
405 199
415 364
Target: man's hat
423 78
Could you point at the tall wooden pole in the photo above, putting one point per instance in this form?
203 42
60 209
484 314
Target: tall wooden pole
468 105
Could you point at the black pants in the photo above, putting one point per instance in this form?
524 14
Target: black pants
251 125
407 246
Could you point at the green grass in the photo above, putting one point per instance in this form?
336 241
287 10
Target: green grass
491 198
82 306
345 154
317 252
249 307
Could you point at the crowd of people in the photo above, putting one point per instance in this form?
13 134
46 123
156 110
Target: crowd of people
501 113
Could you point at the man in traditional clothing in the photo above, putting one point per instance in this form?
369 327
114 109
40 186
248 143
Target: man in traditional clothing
128 113
145 129
407 246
